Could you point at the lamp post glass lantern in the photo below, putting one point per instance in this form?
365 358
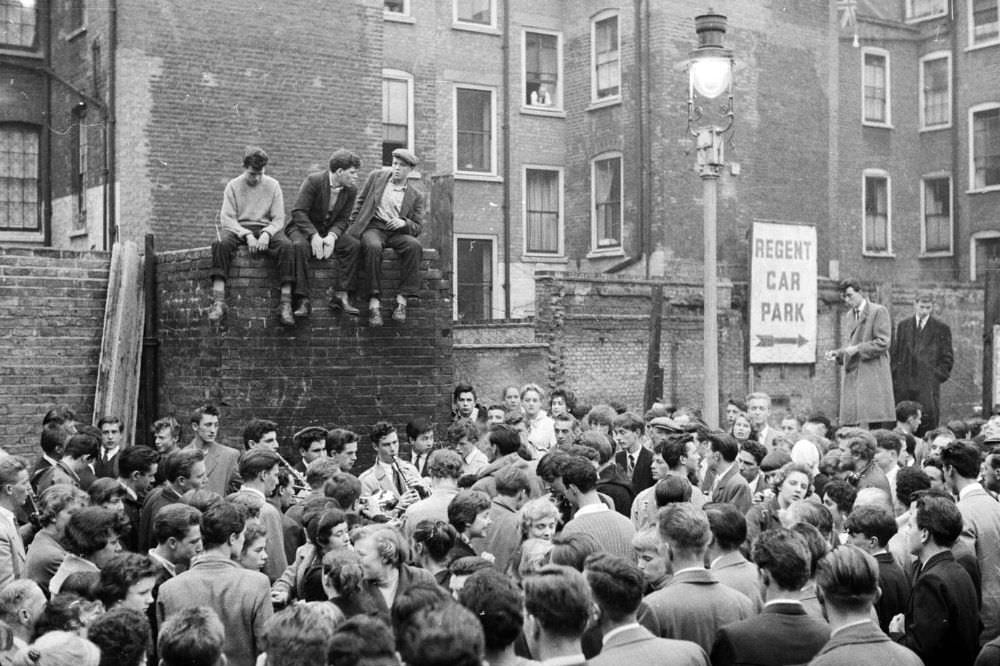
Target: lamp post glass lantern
710 76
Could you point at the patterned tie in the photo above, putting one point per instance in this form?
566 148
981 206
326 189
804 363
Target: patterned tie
631 463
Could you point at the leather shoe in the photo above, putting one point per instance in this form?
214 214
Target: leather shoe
304 308
338 303
399 314
375 318
285 314
217 311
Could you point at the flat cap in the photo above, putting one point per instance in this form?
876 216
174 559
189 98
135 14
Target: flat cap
406 156
665 423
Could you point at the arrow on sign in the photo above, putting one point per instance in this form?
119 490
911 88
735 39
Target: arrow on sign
770 341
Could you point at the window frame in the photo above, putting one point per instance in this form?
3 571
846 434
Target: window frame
887 122
607 250
939 175
496 296
492 172
928 17
11 234
936 55
973 44
460 24
865 175
975 236
35 49
973 110
401 17
595 99
561 224
400 75
556 108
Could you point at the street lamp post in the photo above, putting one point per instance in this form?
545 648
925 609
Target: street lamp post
710 75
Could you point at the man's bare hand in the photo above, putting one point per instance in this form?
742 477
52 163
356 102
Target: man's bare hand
253 244
317 246
329 242
396 225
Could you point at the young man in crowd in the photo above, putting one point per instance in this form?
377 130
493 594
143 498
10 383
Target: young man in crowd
420 435
311 444
106 464
260 433
259 470
136 473
221 461
183 470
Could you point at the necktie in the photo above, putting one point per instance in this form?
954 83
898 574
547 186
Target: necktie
397 480
631 463
857 314
922 323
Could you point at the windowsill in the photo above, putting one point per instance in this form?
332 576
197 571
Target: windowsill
476 27
396 17
604 253
604 103
879 255
478 177
78 233
924 19
935 255
984 45
33 237
869 123
529 258
935 128
22 53
548 112
984 190
73 34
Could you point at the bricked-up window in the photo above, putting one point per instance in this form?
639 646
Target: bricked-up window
543 210
474 145
877 228
19 209
476 12
924 9
984 21
607 196
936 206
18 23
606 59
935 91
985 128
875 83
473 279
397 113
542 85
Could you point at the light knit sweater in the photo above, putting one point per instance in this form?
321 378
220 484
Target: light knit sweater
612 530
261 204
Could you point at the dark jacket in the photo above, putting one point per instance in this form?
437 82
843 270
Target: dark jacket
612 482
642 475
312 213
368 199
895 588
782 634
921 362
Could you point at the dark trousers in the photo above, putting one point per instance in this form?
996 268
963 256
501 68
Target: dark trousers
407 248
280 249
346 253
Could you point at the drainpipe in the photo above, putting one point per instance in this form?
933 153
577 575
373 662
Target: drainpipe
111 228
505 138
956 154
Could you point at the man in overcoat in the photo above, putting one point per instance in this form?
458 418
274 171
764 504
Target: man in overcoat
922 359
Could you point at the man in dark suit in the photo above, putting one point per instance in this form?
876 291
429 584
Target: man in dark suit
922 358
727 485
783 633
106 465
318 226
389 212
632 457
617 585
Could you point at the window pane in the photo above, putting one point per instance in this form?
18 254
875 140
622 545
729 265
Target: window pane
876 214
19 179
985 26
923 8
541 69
474 278
937 215
395 6
607 74
607 202
473 127
395 117
986 147
474 11
875 88
542 205
937 102
18 19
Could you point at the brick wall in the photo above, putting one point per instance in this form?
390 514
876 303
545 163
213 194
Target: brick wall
51 319
329 370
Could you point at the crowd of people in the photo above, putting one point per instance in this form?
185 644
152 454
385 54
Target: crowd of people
539 530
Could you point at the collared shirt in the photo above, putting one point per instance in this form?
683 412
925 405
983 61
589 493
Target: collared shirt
719 474
128 490
680 571
162 561
781 600
108 454
858 623
392 201
618 630
566 660
600 507
335 189
963 493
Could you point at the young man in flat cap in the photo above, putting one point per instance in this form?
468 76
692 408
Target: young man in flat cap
389 212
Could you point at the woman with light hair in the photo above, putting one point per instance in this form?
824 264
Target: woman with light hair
46 552
59 648
541 430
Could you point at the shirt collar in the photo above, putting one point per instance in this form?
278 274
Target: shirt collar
618 630
975 485
162 561
841 628
8 514
129 490
780 600
566 660
109 453
680 571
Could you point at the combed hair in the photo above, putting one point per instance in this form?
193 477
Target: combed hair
203 410
616 584
559 599
192 636
818 546
444 464
964 457
580 473
363 641
343 487
684 527
628 421
56 498
167 422
122 572
392 547
53 438
220 521
13 594
465 506
82 444
256 461
337 438
174 520
443 635
122 634
505 438
842 494
573 549
136 459
498 603
343 159
413 599
437 538
728 524
511 480
848 579
672 489
597 441
180 463
872 521
939 515
814 513
297 636
90 528
785 555
320 471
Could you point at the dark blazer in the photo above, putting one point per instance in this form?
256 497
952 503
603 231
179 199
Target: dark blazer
895 588
130 539
156 499
108 469
921 362
782 634
864 645
638 646
612 482
312 214
368 199
733 489
942 616
642 475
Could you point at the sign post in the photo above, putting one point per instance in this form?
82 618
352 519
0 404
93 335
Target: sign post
783 293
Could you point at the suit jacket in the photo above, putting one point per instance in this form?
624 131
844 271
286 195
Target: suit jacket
942 616
864 645
733 489
921 362
981 537
782 634
155 500
12 555
312 213
240 597
613 482
895 588
693 606
737 572
642 475
222 474
107 469
370 196
637 645
867 390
